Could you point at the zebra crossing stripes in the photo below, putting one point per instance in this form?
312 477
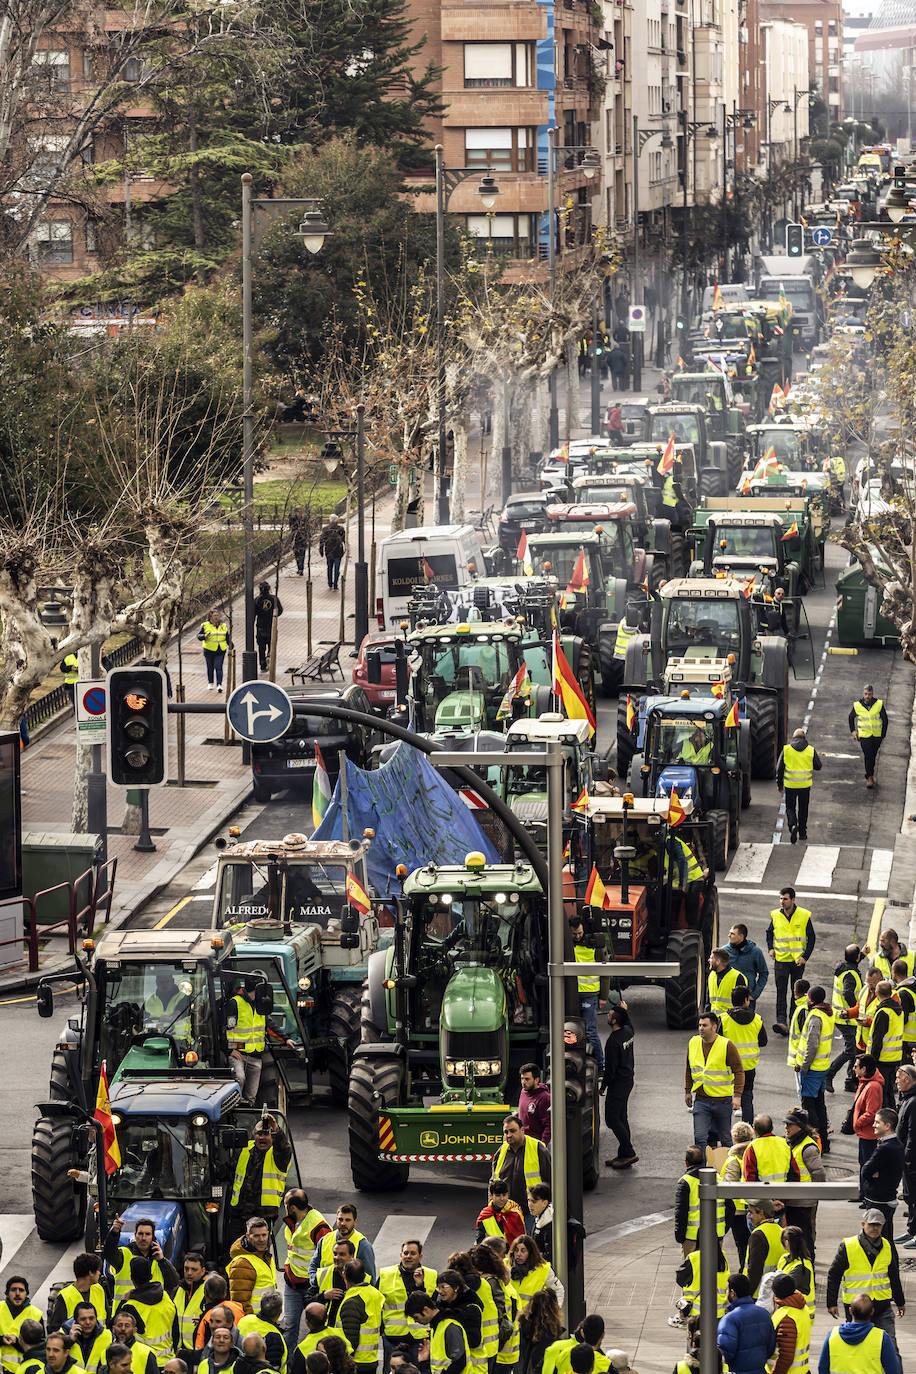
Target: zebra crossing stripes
816 866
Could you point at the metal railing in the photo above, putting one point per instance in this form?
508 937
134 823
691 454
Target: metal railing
98 883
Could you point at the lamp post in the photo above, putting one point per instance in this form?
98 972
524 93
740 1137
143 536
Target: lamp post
689 130
447 179
640 139
744 118
313 231
808 92
588 166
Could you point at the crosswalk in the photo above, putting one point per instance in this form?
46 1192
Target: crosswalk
810 866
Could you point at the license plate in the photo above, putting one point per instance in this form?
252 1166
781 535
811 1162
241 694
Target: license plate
386 696
529 524
299 763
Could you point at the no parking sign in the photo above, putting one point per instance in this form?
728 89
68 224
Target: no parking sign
637 319
91 704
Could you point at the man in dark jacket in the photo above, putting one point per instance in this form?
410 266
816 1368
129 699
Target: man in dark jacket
331 546
265 604
872 1240
425 1310
842 1343
906 1131
812 1080
884 1019
880 1176
617 1084
748 959
847 983
747 1337
153 1309
685 1225
455 1299
253 1359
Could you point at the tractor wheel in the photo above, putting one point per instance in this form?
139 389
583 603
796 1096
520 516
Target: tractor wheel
709 924
369 1032
591 1128
261 792
677 556
343 1025
59 1090
712 482
585 675
719 828
626 740
685 995
611 667
661 571
745 788
373 1084
734 830
59 1203
763 712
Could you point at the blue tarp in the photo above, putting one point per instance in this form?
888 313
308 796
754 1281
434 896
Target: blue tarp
417 818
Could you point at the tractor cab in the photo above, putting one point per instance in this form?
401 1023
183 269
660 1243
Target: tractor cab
612 521
462 674
525 785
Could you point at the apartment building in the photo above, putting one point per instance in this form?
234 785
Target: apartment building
824 21
785 51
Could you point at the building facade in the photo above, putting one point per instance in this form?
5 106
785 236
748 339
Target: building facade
823 20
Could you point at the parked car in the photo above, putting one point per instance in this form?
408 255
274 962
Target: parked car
381 695
524 510
288 763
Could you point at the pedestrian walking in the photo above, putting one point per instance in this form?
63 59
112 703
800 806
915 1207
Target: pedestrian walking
521 1160
299 529
749 959
745 1029
884 1037
306 1228
790 941
889 951
866 1104
800 989
721 981
798 763
867 1264
585 951
847 985
266 606
214 635
880 1175
792 1325
618 362
732 1172
534 1103
714 1082
859 1344
868 724
808 1167
764 1249
746 1337
331 547
905 992
906 1132
812 1060
617 1084
796 1260
615 423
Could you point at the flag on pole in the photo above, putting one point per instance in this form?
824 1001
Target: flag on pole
631 715
676 812
776 397
596 894
731 720
563 455
581 802
680 362
428 573
791 532
522 555
321 789
520 686
566 852
718 689
579 580
752 357
718 300
566 687
357 896
666 462
749 586
103 1115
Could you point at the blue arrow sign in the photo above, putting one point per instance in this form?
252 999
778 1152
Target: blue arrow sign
821 237
259 711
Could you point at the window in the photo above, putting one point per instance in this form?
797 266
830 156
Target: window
88 66
506 150
133 69
509 234
497 64
48 157
52 69
87 153
92 236
54 241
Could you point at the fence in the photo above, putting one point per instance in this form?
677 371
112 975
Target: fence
99 882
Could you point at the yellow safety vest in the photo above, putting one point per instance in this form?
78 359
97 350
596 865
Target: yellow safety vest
273 1179
669 495
121 1275
721 989
795 1029
773 1234
838 1001
394 1295
10 1357
301 1248
590 985
71 670
798 1149
509 1353
802 1320
822 1058
208 1367
693 1209
181 1025
265 1275
71 1296
712 1074
96 1354
532 1283
739 1204
692 756
139 1359
251 1322
774 1158
868 719
532 1165
326 1248
438 1358
489 1326
908 1006
310 1342
250 1030
625 633
838 468
694 871
692 1287
787 1264
746 1039
789 934
798 767
882 962
862 1358
892 1046
190 1310
158 1318
216 636
861 1276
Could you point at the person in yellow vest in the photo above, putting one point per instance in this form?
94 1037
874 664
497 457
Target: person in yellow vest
722 981
306 1228
521 1160
858 1344
222 1354
491 1267
153 1309
764 1248
745 1029
318 1325
530 1271
214 635
687 1202
797 1020
446 1349
628 629
867 1264
124 1332
884 1038
58 1355
793 1326
91 1338
501 1216
14 1310
344 1229
395 1283
87 1285
847 984
714 1082
905 992
251 1265
249 1051
807 1167
796 1260
812 1060
144 1245
189 1298
688 1276
591 994
359 1316
790 940
70 668
868 724
768 1158
32 1346
798 763
266 1324
889 950
259 1184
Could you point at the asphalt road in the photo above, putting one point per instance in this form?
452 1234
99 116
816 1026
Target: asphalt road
840 874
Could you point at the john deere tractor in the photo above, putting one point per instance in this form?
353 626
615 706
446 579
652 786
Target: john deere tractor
450 1014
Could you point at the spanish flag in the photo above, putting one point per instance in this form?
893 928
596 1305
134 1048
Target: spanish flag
791 532
566 687
752 357
523 557
680 362
666 462
718 689
718 301
676 812
596 894
749 586
563 455
357 896
103 1115
581 802
631 715
428 573
731 720
579 580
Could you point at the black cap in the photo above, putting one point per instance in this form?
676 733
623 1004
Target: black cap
798 1118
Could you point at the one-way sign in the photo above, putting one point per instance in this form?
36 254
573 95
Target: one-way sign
822 237
259 711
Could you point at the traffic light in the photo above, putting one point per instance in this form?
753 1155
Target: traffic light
575 1055
136 730
795 240
900 178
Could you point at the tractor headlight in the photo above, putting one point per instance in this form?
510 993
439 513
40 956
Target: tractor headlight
487 1068
456 1068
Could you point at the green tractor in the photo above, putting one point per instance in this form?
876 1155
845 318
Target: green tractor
717 469
461 673
451 1012
725 422
594 609
743 543
615 523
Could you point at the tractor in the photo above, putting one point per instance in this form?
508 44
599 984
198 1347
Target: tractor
725 423
651 529
717 470
452 1010
743 543
462 673
594 607
525 787
614 522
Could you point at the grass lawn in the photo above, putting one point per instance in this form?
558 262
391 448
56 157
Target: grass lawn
288 493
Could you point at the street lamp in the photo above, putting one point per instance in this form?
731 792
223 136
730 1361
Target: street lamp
745 119
807 91
863 263
447 179
640 139
312 230
689 130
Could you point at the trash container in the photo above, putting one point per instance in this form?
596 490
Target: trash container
49 859
11 929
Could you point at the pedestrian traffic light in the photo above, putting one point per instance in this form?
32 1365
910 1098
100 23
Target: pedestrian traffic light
795 240
575 1057
136 727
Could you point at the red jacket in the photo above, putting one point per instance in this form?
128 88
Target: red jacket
869 1099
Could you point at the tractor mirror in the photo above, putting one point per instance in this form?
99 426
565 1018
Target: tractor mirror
45 999
263 999
373 667
233 1138
349 928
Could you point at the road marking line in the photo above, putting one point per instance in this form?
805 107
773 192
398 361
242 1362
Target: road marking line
816 868
206 880
749 863
17 1227
874 925
880 872
174 912
804 896
387 1244
610 1234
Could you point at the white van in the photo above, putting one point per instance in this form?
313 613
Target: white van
452 556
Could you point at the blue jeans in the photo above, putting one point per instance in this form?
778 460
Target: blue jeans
214 661
712 1116
293 1306
747 1097
589 1009
333 571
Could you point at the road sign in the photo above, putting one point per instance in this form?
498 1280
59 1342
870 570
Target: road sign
259 711
392 474
91 704
637 319
821 237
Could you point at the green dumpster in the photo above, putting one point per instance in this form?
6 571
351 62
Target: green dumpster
49 859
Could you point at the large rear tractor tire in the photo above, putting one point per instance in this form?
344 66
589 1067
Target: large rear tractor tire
763 713
59 1090
58 1202
344 1026
611 667
720 830
591 1128
374 1084
686 994
678 558
369 1032
712 482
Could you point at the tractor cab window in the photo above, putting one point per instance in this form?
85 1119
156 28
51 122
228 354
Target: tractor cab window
746 541
528 779
563 560
685 428
471 931
468 664
708 624
314 893
784 443
685 740
155 999
248 889
162 1158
